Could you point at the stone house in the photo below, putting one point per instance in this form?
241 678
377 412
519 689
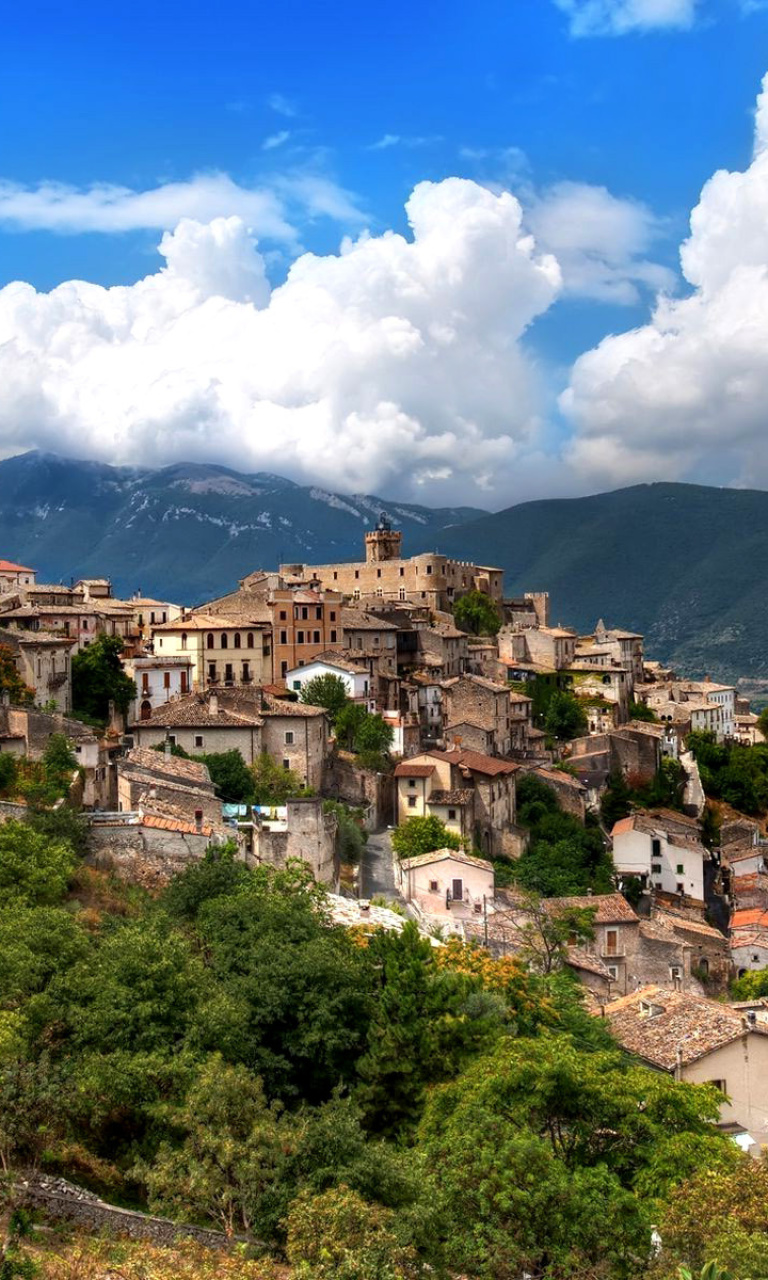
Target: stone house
26 731
157 679
443 645
547 648
749 950
602 689
626 649
570 792
520 721
223 650
474 794
160 784
13 576
250 721
298 830
700 1041
149 613
472 703
82 623
354 676
367 635
693 705
663 850
448 884
43 661
431 580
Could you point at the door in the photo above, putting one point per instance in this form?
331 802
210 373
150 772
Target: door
457 890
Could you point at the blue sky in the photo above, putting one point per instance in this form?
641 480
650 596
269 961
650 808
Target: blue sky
337 112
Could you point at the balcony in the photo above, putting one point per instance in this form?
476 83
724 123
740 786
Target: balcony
613 953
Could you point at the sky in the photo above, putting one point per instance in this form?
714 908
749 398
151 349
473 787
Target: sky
441 252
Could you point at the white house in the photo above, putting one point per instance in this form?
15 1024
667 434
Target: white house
158 679
447 883
663 849
355 677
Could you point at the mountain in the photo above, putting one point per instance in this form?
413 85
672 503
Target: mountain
683 564
184 532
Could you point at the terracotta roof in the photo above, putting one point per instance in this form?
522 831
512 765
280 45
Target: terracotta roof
193 710
406 770
683 924
609 908
578 958
656 1023
476 762
175 824
358 620
752 917
169 765
443 855
749 939
560 776
210 622
7 566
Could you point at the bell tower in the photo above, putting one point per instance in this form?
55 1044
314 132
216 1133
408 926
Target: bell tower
383 542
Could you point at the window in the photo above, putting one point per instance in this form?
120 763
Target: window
172 739
411 802
198 739
378 573
402 572
224 640
333 637
283 668
680 869
332 615
411 782
680 888
283 615
429 568
228 677
246 671
611 942
718 1084
304 613
249 640
183 682
297 684
144 681
237 639
166 679
209 640
286 765
316 637
401 593
319 613
289 737
183 639
299 637
433 886
451 815
283 637
212 675
335 575
357 573
613 971
457 890
152 617
356 593
655 848
656 868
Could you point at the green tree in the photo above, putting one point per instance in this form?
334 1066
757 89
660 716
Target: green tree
544 931
230 776
641 711
565 717
477 613
98 679
717 1215
351 836
340 1236
327 691
616 800
8 773
563 857
10 680
230 1147
273 785
762 722
33 869
421 835
36 943
369 736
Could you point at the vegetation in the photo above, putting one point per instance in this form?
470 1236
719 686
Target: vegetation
565 717
421 835
622 795
477 613
327 691
98 679
563 856
367 734
639 711
731 772
351 836
10 680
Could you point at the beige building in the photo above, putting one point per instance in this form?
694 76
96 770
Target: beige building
448 884
477 714
473 794
15 575
157 680
700 1041
43 661
161 784
430 579
223 650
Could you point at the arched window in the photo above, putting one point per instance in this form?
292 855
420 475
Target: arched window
224 641
250 640
146 711
237 639
209 640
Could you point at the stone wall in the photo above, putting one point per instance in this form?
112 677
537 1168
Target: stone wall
375 792
10 812
143 855
310 836
62 1201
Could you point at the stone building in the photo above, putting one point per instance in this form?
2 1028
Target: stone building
157 679
299 831
14 575
163 785
472 793
448 884
663 850
43 661
429 579
477 711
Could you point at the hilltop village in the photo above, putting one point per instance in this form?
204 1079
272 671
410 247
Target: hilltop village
432 750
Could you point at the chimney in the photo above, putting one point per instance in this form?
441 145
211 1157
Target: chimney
213 704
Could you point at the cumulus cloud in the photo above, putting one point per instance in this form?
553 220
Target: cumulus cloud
685 394
270 210
394 365
599 240
619 17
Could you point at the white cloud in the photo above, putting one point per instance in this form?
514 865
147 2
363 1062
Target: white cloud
686 394
390 140
599 240
283 106
276 140
619 17
269 210
395 365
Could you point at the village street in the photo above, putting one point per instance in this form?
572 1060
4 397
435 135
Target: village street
377 867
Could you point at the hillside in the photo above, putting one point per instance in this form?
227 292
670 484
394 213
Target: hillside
683 564
183 532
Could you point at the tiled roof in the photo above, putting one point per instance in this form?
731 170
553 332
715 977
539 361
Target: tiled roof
578 958
211 622
7 566
609 908
358 620
169 765
751 918
406 770
476 762
332 658
655 1024
444 855
458 796
18 636
175 824
756 938
479 682
683 924
559 776
193 710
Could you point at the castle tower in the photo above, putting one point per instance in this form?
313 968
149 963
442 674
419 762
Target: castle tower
383 542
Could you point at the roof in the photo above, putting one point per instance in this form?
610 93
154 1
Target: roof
175 824
461 795
749 939
578 958
210 622
749 918
609 908
657 1024
559 776
331 658
174 766
684 924
358 620
19 636
651 820
7 566
445 855
194 710
407 770
475 761
480 682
